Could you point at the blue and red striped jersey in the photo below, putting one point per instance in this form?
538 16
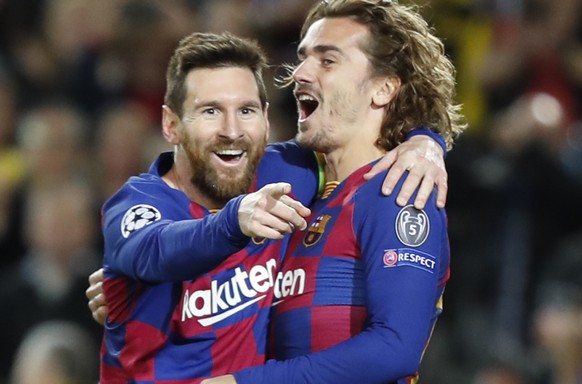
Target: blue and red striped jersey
373 278
190 299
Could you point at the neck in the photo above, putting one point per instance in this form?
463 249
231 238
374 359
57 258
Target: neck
356 146
178 177
342 162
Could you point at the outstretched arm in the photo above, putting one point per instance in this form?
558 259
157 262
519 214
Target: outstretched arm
268 213
169 250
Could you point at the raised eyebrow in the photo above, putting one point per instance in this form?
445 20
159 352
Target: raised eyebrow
319 49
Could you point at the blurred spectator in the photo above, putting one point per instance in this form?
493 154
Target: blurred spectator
141 47
531 136
76 35
277 24
8 111
535 51
51 141
49 281
558 327
226 15
20 28
557 321
514 187
12 171
124 134
56 352
505 246
466 27
499 373
50 48
52 137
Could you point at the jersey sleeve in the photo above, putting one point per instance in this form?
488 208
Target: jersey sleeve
288 162
405 259
149 236
424 131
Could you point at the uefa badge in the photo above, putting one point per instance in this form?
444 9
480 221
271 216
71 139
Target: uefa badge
390 258
138 217
412 226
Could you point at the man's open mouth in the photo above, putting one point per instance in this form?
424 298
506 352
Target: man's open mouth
230 155
307 105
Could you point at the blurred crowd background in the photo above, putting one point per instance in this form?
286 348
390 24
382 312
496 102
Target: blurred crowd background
81 89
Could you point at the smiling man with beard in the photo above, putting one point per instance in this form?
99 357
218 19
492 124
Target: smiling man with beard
221 136
160 237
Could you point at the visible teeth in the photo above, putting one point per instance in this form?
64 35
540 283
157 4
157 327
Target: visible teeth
305 98
230 152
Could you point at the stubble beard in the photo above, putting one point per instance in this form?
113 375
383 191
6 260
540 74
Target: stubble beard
319 135
316 141
225 184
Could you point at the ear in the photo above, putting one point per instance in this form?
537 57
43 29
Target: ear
170 122
386 91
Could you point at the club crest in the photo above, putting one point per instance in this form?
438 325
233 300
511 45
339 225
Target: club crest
316 230
412 226
138 217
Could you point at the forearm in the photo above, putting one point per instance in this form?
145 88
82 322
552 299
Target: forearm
179 250
374 356
390 348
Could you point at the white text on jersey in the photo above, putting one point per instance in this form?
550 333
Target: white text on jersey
229 297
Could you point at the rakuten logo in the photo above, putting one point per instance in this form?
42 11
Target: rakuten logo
233 295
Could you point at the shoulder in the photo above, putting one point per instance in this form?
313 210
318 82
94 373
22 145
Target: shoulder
288 162
289 152
146 196
380 223
369 199
145 187
370 192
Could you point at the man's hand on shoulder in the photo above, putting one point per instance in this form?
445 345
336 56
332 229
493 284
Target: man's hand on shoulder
423 158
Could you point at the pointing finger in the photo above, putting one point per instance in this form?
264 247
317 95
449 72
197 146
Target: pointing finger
277 190
296 205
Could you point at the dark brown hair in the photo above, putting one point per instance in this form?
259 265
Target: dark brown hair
209 50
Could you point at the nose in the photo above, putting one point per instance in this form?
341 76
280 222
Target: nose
231 127
303 73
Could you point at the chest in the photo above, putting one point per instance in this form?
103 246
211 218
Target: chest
234 292
328 255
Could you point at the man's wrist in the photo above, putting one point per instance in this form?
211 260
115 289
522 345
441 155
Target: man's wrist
430 133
